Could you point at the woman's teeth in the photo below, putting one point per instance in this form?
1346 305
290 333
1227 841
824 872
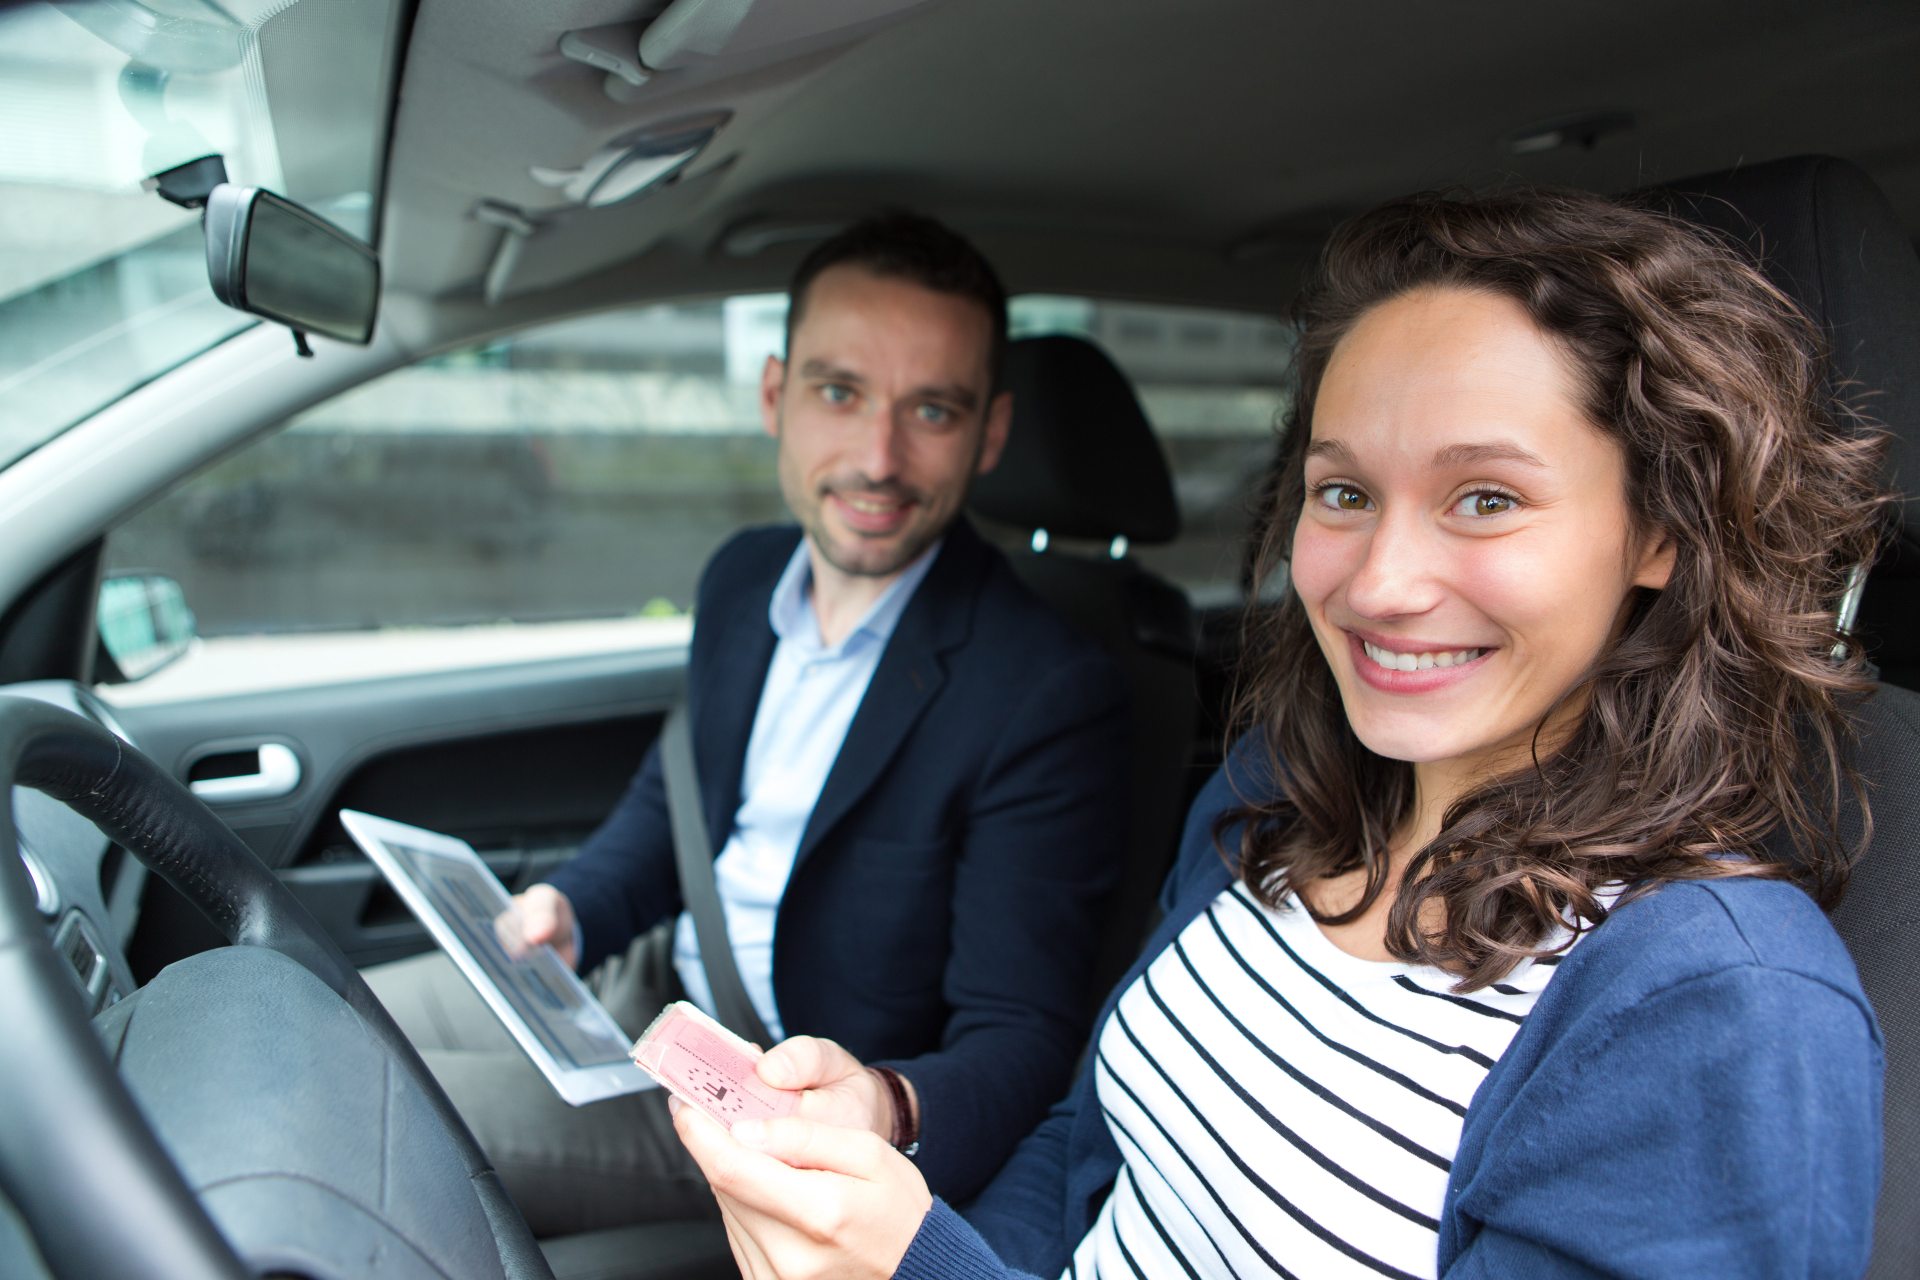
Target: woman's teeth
1419 661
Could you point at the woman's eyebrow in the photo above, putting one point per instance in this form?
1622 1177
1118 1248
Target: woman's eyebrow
1450 457
1466 455
1332 450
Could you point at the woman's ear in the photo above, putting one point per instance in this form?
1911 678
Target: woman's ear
1656 563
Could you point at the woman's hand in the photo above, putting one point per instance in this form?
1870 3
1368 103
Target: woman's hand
840 1090
804 1200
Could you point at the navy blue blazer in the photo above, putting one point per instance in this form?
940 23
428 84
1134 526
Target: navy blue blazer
946 898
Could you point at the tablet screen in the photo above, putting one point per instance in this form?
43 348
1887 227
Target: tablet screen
572 1039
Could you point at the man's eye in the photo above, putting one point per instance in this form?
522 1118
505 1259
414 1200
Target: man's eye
1341 497
836 393
1486 502
934 415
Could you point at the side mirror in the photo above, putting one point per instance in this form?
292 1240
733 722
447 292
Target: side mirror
144 623
273 258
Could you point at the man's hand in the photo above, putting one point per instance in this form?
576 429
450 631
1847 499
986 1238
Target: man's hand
840 1090
807 1201
540 916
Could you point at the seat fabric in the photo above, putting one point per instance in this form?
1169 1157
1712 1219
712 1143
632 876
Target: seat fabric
1827 236
1082 462
1880 919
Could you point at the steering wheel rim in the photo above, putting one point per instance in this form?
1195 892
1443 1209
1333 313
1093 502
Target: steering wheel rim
80 1129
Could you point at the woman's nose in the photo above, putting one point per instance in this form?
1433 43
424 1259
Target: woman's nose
1399 573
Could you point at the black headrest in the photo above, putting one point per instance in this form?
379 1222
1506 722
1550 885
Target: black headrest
1081 461
1823 232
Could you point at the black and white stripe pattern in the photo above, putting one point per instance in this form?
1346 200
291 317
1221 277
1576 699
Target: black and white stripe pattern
1283 1108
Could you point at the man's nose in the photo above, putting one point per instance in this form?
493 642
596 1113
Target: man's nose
880 446
1399 573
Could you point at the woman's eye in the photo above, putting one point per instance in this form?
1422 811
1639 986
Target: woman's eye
1484 503
1341 497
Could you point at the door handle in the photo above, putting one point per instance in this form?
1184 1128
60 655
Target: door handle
278 775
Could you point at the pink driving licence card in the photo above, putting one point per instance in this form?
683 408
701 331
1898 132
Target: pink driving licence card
704 1064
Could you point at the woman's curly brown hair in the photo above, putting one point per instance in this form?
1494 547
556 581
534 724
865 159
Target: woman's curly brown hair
1718 715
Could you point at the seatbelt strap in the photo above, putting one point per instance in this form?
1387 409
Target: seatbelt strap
694 854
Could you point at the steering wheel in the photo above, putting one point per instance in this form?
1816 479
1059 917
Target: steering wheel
302 1132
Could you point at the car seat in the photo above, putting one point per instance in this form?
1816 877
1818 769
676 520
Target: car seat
1082 464
1824 233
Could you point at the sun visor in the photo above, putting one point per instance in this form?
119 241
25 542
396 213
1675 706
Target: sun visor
568 245
692 33
690 75
679 41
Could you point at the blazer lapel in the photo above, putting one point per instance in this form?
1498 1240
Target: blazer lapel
910 673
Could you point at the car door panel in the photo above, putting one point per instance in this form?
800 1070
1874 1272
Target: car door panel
521 760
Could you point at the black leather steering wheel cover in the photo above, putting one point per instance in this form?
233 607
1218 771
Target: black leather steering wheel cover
74 1128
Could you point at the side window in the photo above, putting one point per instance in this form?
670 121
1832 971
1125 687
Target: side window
1211 383
553 492
559 491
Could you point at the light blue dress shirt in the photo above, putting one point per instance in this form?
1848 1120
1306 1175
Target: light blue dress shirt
808 701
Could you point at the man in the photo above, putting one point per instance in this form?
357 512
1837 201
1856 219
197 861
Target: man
912 770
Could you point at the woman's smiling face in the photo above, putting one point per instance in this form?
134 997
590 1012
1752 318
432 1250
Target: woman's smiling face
1465 550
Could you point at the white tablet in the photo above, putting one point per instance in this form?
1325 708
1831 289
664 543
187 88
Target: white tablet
569 1035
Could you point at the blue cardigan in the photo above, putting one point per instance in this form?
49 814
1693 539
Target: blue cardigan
1697 1093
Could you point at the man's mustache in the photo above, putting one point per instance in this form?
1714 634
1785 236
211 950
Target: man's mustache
861 487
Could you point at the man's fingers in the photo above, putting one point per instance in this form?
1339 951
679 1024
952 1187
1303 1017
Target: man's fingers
540 916
538 920
521 928
806 1062
511 931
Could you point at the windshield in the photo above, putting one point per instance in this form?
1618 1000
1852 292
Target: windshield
103 285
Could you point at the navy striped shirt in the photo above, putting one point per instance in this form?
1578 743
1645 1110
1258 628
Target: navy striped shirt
1284 1108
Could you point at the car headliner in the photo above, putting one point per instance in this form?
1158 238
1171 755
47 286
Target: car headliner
1185 152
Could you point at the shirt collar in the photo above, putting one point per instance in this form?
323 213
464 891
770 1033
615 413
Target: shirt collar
790 611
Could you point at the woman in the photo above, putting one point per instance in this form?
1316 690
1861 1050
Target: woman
1496 977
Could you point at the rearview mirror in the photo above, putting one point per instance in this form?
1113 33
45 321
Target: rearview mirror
271 257
144 623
